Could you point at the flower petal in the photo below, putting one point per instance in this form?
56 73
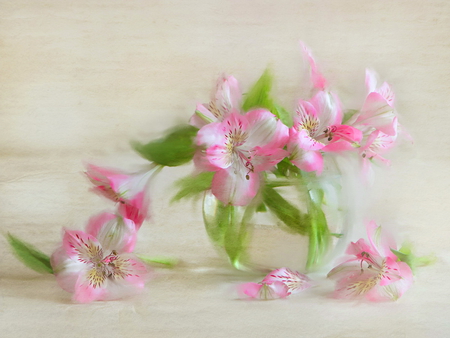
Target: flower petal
235 185
265 130
113 232
264 291
328 107
82 247
317 78
265 158
294 280
377 113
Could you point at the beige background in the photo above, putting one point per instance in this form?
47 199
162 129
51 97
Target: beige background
79 79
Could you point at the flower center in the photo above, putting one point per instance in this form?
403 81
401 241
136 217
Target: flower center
111 266
310 124
234 140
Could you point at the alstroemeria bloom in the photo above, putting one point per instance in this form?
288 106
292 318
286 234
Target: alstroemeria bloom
317 125
130 190
373 272
279 283
238 149
378 110
97 268
377 143
317 128
225 99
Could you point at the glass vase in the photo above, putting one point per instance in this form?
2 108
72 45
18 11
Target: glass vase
299 223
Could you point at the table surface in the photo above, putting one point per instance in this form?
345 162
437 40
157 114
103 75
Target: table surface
79 80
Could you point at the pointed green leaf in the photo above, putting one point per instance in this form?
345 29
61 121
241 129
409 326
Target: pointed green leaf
285 211
192 186
259 95
174 149
283 115
168 262
319 234
30 256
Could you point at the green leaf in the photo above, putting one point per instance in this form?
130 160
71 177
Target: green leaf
285 168
226 230
348 114
404 254
285 211
191 186
30 256
168 262
319 234
259 95
174 149
283 115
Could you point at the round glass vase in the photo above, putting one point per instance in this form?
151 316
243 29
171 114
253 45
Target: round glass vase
300 224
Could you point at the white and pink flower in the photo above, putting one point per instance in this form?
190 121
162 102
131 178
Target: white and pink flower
238 149
317 125
97 264
279 283
225 99
129 190
374 272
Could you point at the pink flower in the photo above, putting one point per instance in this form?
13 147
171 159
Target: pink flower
376 144
238 149
378 110
225 99
99 267
279 283
317 125
128 190
373 272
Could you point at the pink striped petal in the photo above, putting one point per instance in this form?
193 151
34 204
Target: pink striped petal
294 281
317 78
235 186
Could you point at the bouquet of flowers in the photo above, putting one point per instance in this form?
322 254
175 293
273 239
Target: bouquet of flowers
252 157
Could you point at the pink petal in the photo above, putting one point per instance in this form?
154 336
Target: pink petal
136 209
85 292
210 134
249 289
394 290
377 113
328 107
231 185
219 156
306 160
202 117
382 240
265 130
228 94
264 291
66 270
113 232
202 163
294 280
265 158
317 78
81 246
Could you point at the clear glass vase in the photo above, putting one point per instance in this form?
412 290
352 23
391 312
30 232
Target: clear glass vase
299 224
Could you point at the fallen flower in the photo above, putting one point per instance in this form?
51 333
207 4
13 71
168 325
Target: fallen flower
279 283
374 272
96 269
130 190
